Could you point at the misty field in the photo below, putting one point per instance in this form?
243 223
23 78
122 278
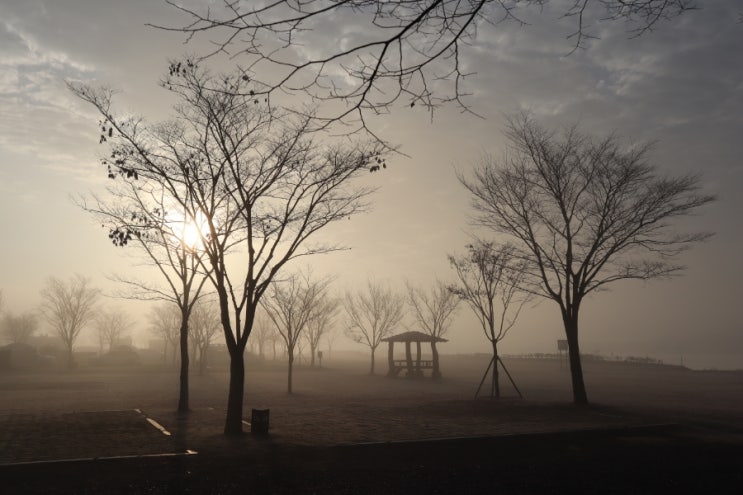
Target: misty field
95 413
341 403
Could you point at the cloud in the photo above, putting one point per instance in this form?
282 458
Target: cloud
40 118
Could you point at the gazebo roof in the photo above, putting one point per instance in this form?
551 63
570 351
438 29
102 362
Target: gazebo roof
413 337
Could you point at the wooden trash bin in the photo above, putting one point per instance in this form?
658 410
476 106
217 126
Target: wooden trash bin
259 421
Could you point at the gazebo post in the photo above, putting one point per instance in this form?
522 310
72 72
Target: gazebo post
408 357
390 358
435 355
418 371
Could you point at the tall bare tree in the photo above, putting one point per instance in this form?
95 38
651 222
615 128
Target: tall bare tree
372 315
397 52
204 326
490 282
583 213
165 322
146 216
69 307
261 185
433 312
19 329
111 325
291 305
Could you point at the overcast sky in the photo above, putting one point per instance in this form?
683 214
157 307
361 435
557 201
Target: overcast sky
680 85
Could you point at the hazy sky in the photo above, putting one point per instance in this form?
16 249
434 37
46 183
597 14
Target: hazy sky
681 85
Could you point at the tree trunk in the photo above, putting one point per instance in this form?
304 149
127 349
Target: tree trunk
70 357
313 349
495 384
371 371
183 396
576 369
291 368
233 425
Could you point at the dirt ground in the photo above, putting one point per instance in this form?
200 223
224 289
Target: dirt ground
344 431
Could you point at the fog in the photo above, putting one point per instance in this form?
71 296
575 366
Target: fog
49 151
111 410
340 403
111 423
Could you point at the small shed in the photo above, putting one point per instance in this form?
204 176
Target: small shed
415 367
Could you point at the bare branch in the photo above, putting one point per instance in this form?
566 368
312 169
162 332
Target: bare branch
397 52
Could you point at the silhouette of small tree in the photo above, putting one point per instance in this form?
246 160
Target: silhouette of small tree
433 312
290 305
19 329
69 307
372 315
165 322
324 312
204 325
490 279
111 325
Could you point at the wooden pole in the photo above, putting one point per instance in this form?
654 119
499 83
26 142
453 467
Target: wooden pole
509 377
408 358
391 359
418 371
484 376
435 357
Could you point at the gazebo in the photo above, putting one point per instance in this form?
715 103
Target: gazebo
414 367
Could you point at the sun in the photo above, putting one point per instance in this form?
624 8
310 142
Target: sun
190 232
191 235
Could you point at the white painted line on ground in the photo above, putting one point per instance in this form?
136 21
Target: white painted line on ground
158 426
115 457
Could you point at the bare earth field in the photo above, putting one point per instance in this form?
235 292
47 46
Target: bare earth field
651 429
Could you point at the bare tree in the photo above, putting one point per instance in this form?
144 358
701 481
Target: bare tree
330 337
584 213
204 325
111 326
490 280
146 216
165 322
19 329
324 311
372 315
290 305
398 51
259 183
433 312
69 307
264 332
